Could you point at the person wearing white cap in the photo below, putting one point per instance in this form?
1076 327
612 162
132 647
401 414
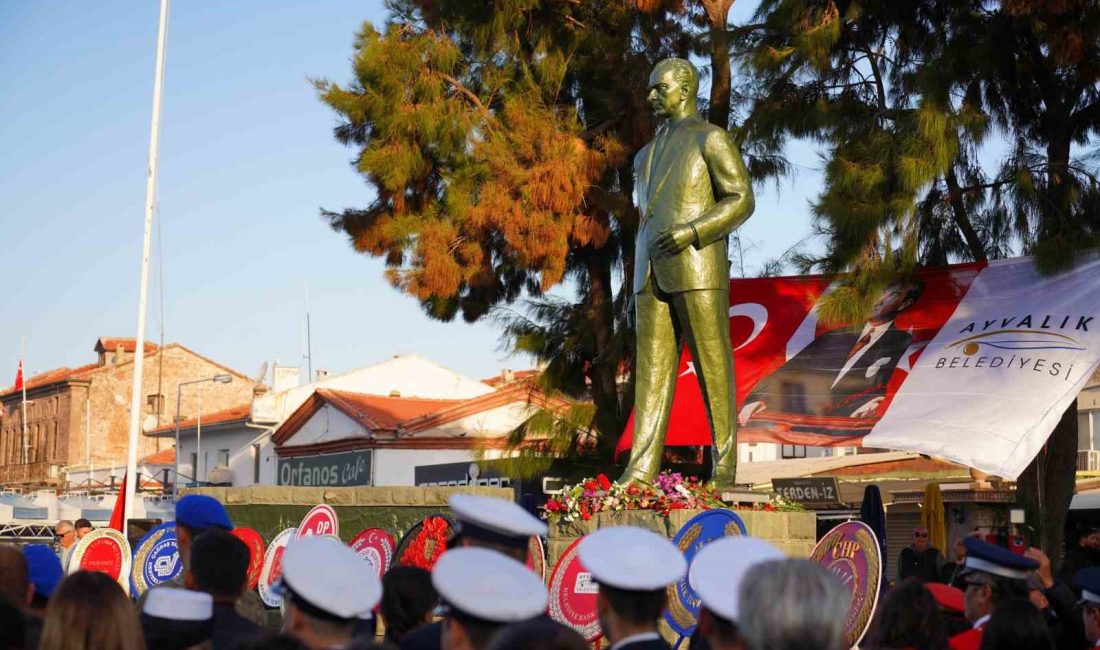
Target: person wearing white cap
633 568
482 522
326 588
498 524
715 575
481 592
173 619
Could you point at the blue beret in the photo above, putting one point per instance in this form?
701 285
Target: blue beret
1089 581
200 512
989 558
44 568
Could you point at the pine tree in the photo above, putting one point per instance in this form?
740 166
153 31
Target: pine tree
903 94
498 137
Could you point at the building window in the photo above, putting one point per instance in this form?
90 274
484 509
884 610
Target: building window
256 463
223 458
793 451
793 398
154 404
194 466
1094 417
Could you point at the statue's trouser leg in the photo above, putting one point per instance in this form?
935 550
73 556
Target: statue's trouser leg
655 380
704 315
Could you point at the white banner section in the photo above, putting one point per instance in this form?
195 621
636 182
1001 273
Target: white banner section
988 390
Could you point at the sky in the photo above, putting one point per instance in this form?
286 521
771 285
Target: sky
247 160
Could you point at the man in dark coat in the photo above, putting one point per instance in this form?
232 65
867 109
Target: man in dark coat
842 373
484 522
920 560
219 567
633 569
1084 554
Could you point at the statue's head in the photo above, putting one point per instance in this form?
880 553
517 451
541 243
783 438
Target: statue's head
673 86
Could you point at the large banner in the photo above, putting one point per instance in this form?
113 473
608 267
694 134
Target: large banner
973 363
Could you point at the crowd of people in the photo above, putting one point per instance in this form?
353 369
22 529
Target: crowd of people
481 595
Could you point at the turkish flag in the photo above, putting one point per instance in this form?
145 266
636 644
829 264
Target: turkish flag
118 513
788 358
19 376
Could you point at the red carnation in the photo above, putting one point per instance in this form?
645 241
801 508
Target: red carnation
605 484
590 485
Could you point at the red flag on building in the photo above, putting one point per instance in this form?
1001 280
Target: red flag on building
19 376
119 511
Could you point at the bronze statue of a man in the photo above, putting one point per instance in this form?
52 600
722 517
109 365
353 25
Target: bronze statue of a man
692 190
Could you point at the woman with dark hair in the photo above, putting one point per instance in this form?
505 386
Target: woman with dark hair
1016 625
408 599
90 610
909 617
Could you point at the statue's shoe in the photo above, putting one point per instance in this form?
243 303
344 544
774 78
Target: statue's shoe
630 476
725 484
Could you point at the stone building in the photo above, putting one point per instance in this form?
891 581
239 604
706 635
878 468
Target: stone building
78 418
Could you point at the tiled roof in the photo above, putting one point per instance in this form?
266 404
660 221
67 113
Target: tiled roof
112 343
52 377
380 413
239 412
518 375
165 457
58 375
409 415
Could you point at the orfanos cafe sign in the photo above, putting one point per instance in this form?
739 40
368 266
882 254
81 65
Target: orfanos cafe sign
326 470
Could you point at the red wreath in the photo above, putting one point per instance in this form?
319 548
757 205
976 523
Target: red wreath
430 543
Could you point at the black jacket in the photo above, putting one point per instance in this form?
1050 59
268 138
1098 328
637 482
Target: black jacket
425 637
230 628
654 644
924 566
812 372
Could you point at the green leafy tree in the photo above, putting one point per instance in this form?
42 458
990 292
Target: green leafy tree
498 138
903 96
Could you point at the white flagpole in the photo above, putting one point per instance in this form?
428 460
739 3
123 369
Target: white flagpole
139 349
25 457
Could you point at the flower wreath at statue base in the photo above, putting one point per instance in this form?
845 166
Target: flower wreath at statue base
669 491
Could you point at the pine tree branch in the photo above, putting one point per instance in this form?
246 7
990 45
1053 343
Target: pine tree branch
1086 119
879 86
962 219
457 86
602 127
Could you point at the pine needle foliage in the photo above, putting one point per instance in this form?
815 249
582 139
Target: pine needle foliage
902 95
497 137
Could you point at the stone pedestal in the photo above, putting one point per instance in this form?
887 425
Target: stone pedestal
794 533
271 508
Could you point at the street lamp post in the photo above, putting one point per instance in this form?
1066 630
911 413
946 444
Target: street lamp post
218 379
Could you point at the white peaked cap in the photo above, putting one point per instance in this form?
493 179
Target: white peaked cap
498 516
488 585
330 577
719 567
178 604
631 558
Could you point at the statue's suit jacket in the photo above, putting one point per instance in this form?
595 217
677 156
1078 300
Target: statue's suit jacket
678 185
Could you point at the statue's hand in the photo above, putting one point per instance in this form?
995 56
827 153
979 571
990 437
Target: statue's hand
869 409
673 240
749 410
